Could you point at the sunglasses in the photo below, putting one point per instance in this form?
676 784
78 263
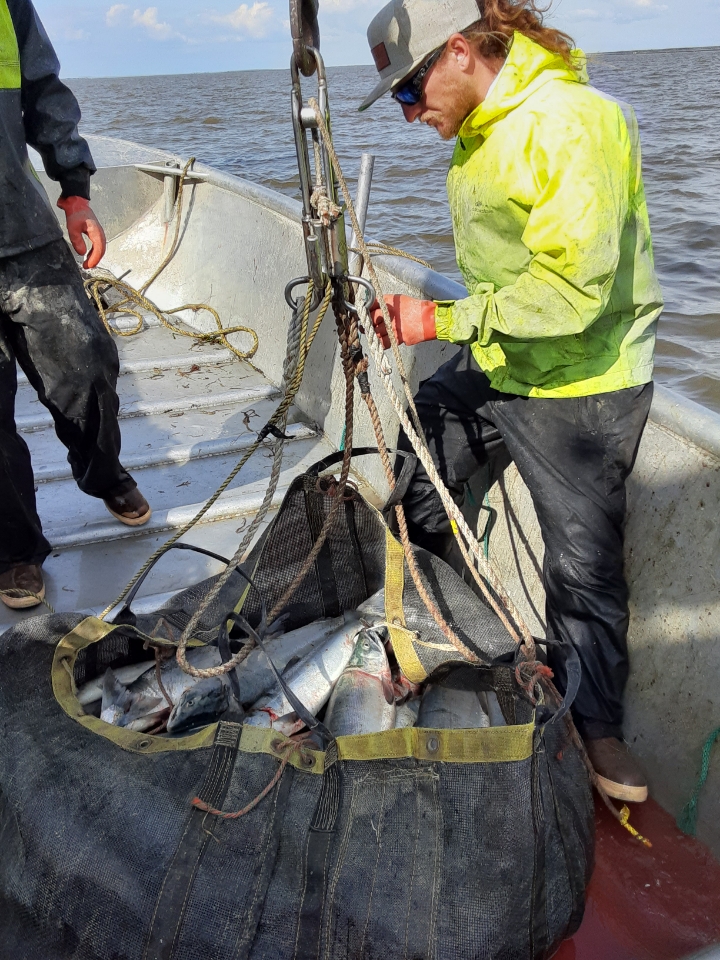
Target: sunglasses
411 91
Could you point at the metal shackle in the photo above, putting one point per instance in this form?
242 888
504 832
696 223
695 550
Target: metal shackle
305 34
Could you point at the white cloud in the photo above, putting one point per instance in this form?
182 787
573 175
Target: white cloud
119 15
73 34
628 10
149 20
116 14
587 13
253 21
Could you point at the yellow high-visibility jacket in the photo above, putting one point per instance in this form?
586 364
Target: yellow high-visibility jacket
552 235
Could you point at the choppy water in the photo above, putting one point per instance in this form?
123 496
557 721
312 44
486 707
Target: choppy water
240 123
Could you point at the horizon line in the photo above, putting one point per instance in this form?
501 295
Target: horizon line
349 66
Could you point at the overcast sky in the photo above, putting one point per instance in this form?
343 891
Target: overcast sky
100 38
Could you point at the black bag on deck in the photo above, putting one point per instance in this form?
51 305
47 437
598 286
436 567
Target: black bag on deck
411 844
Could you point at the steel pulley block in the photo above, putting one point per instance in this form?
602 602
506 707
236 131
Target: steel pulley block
305 33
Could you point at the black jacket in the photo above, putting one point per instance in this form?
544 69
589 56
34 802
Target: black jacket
36 109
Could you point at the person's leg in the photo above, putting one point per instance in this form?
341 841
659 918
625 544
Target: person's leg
575 456
453 406
22 543
71 360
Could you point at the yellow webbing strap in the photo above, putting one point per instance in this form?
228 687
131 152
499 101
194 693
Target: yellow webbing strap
265 740
486 745
402 638
90 631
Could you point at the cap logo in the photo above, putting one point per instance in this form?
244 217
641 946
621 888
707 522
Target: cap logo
380 56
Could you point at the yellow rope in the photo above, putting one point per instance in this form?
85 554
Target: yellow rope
625 821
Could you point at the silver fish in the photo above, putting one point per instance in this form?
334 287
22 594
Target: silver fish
373 609
174 678
443 708
406 714
255 675
363 700
122 708
311 680
93 690
494 712
201 704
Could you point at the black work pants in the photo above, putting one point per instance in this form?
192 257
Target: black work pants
575 455
48 325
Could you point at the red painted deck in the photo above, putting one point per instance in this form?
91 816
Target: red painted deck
657 904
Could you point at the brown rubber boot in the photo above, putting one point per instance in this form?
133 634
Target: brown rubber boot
617 770
131 508
22 586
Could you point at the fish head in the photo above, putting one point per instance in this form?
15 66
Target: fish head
369 652
202 703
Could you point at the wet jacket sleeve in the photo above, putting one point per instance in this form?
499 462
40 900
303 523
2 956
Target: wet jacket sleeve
50 110
573 235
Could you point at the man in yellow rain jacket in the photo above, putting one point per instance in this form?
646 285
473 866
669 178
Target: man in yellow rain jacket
553 241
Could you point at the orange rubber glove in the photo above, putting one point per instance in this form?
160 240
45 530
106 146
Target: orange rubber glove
82 221
413 320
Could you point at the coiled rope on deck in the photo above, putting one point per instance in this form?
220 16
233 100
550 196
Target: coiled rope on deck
132 301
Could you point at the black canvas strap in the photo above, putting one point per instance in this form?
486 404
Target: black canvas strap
324 571
317 860
170 907
539 934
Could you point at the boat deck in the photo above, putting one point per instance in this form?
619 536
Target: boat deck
188 411
657 904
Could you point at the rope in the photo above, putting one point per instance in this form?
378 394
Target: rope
349 371
687 821
384 250
294 367
99 284
496 596
286 750
410 558
276 418
17 594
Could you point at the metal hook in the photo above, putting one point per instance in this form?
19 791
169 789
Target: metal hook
370 296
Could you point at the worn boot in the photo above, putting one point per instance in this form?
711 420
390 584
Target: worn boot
131 508
22 586
617 770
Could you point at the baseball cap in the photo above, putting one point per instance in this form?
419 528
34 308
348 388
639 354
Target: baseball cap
405 32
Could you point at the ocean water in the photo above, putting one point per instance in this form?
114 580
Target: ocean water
240 123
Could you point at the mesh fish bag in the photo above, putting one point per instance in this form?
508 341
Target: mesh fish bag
411 844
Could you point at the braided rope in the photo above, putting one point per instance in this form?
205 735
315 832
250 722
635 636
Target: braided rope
415 573
98 285
470 548
277 417
294 367
286 750
385 250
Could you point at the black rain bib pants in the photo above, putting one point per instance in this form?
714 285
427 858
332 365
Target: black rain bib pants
48 325
575 455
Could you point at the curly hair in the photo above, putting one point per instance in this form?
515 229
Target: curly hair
501 18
